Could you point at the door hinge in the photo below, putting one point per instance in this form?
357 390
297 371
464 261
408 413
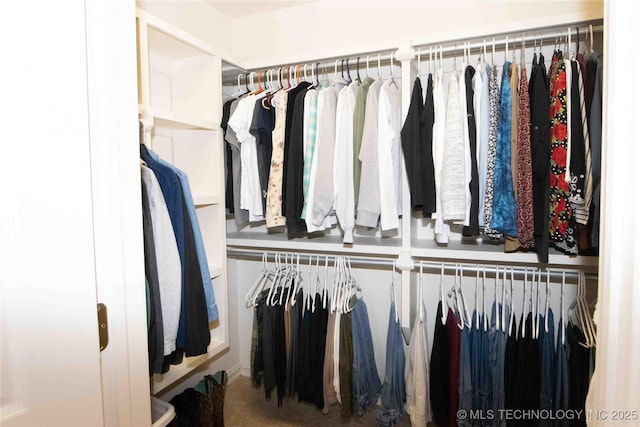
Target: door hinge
103 326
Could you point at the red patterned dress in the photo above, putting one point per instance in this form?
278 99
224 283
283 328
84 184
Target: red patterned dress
562 224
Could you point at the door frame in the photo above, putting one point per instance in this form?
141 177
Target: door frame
117 208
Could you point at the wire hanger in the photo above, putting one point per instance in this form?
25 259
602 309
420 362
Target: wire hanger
506 49
562 325
443 318
455 54
420 302
484 300
477 299
335 71
393 289
358 70
379 69
348 72
497 314
368 73
493 53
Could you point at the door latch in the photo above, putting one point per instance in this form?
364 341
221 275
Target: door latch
103 326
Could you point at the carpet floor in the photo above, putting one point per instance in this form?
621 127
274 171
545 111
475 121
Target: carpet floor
245 405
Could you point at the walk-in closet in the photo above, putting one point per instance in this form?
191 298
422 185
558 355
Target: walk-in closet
343 212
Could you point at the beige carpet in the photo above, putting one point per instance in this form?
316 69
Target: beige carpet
245 405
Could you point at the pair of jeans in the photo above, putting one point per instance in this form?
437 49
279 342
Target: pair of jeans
547 375
393 388
480 369
497 340
365 380
465 387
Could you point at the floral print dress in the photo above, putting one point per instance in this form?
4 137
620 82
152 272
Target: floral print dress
562 224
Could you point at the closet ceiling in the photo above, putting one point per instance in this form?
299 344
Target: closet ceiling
238 9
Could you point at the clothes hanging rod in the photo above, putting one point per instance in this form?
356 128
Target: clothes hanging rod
431 266
355 260
450 48
547 36
518 271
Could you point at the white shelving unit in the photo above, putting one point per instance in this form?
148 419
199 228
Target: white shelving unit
179 94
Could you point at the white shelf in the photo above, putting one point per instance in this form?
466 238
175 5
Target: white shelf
176 372
168 119
333 243
486 252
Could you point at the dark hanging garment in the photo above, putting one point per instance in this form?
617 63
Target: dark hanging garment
241 216
292 189
293 361
257 349
526 383
439 372
453 334
346 365
547 373
473 229
155 332
485 376
268 343
561 395
510 367
578 168
262 125
595 139
313 334
279 348
540 156
228 157
410 136
417 142
579 372
428 170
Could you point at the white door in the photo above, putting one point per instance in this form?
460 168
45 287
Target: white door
60 245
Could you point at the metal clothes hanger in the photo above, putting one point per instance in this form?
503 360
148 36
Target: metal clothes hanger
443 318
562 325
368 75
358 70
419 301
393 289
493 53
348 72
477 318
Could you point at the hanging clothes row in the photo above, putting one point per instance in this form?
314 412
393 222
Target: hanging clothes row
486 363
180 298
491 160
311 154
311 335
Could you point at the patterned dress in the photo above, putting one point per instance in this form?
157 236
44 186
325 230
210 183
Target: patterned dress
562 225
524 192
494 116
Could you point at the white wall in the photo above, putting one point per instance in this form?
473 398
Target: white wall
328 29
